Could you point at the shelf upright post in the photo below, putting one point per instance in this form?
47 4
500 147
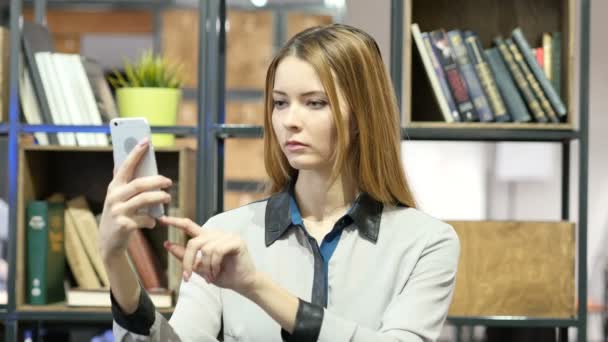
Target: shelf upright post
396 54
583 168
11 324
210 105
565 191
40 11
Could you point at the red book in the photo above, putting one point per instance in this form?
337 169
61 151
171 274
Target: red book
540 56
145 262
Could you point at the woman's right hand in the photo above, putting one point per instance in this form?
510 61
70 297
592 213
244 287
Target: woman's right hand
124 197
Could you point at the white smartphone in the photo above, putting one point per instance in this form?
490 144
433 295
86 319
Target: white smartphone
126 133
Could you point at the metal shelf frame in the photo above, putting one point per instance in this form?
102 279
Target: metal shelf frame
212 131
177 130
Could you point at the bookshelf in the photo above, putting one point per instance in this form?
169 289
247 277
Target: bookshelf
422 120
48 169
499 18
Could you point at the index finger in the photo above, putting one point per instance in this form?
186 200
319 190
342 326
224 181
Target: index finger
186 225
127 169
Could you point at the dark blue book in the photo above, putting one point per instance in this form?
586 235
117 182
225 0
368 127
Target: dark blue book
486 77
454 78
513 101
468 72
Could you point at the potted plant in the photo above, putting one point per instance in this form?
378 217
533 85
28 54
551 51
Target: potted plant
150 88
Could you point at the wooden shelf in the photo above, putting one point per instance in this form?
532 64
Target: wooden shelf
87 171
61 312
511 321
488 132
488 19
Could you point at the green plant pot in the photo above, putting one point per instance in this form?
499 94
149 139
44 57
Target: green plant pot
158 105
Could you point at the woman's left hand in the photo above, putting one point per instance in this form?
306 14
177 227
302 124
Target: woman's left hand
224 259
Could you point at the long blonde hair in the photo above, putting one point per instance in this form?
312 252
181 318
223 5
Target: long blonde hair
348 58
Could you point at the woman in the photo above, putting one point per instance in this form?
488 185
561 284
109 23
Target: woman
338 252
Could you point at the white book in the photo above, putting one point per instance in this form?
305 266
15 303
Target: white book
31 112
53 93
87 98
66 84
430 72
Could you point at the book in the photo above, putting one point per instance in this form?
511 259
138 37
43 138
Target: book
58 109
174 265
79 262
486 78
513 101
445 88
146 264
556 62
454 78
87 229
432 76
534 85
63 92
84 93
520 80
76 297
29 104
539 54
100 89
36 38
468 72
45 252
558 108
547 54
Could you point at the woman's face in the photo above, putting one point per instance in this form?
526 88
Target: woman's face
301 116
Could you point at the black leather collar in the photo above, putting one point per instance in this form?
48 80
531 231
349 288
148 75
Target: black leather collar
366 213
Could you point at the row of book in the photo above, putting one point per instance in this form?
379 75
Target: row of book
64 263
504 83
60 89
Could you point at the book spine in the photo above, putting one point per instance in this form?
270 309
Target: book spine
55 260
445 88
534 85
547 55
539 77
556 62
37 244
540 57
513 101
453 76
146 265
430 73
520 81
486 78
29 30
475 91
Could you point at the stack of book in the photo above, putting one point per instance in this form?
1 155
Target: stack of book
504 83
65 233
62 89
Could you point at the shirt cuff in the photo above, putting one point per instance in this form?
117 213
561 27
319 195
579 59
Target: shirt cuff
138 322
308 323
